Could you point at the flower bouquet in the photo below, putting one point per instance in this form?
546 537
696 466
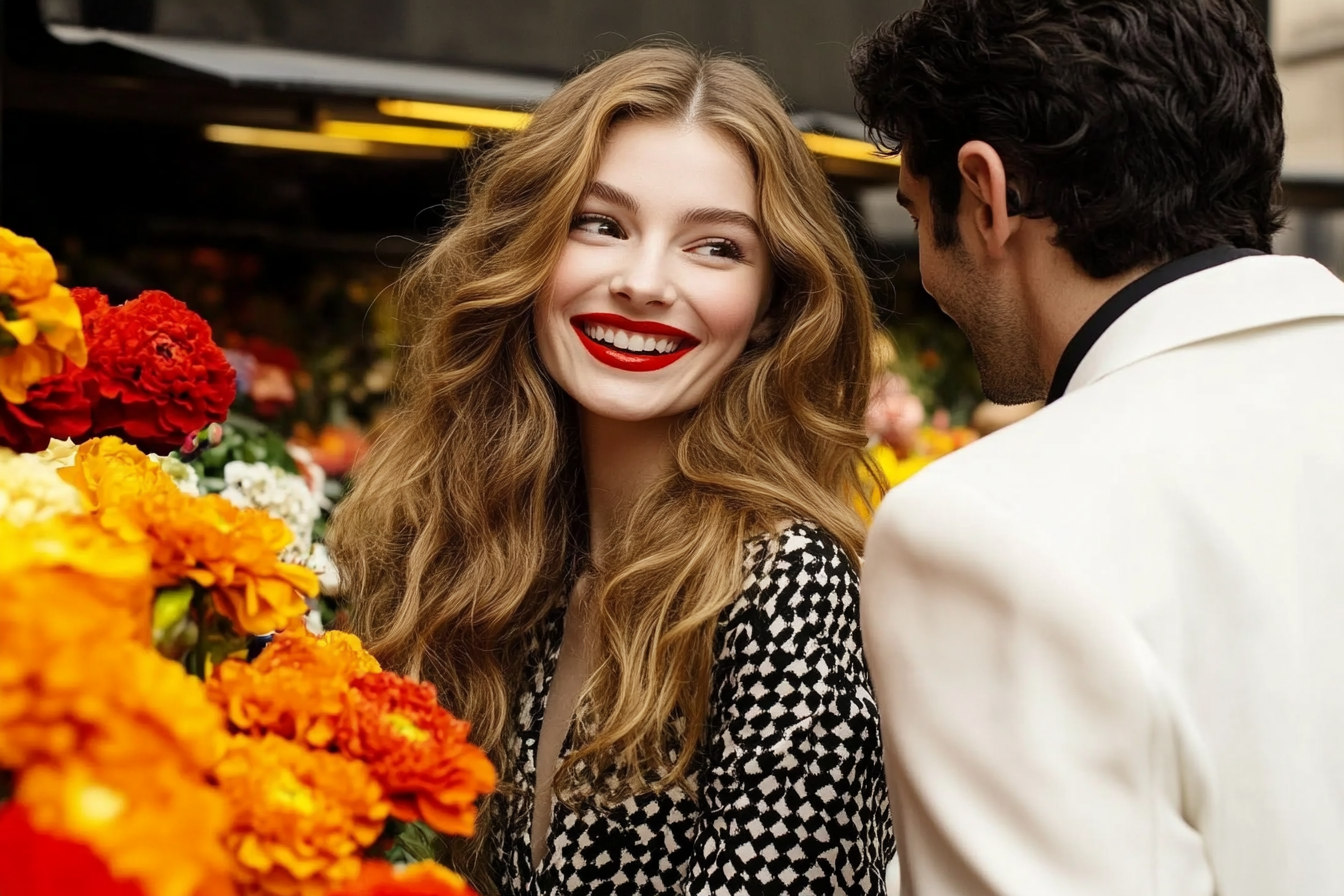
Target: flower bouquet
143 754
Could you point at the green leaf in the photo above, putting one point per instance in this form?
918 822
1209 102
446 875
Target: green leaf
417 842
170 610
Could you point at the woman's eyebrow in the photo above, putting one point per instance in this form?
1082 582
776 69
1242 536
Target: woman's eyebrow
721 216
615 195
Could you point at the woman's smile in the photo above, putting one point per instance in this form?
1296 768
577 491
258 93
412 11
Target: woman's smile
637 346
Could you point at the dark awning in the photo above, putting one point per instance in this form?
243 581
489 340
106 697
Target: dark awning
249 65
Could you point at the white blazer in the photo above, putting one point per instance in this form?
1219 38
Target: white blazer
1108 641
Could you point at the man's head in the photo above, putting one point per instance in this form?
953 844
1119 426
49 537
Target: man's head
1098 138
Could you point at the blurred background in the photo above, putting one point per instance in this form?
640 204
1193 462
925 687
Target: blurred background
274 163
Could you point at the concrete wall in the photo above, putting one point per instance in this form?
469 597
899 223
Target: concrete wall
1308 40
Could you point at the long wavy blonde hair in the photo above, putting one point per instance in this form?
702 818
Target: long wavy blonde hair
467 521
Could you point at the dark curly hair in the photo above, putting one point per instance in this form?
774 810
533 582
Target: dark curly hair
1145 129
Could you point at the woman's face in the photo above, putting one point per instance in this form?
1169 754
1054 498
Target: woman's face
662 278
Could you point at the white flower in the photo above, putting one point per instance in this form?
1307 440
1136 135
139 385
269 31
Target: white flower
282 495
183 474
31 490
327 577
58 453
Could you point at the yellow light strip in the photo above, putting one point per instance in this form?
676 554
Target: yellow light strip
467 116
271 138
396 133
845 148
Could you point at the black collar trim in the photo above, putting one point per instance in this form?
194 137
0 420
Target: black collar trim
1127 298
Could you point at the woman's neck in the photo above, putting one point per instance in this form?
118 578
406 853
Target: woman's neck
620 459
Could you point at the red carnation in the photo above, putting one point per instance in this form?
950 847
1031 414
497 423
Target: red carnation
92 305
160 375
58 407
417 750
33 863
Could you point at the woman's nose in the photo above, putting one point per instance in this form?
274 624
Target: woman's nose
645 279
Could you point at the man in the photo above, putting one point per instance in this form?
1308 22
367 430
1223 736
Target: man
1108 641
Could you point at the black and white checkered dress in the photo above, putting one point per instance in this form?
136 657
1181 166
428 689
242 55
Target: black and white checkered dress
793 798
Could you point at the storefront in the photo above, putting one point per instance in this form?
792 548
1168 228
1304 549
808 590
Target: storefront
277 178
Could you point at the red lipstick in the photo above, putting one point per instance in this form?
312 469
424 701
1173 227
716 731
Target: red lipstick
625 360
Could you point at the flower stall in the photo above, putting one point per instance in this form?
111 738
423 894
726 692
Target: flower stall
154 743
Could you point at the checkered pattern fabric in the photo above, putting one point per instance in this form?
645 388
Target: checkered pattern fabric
793 797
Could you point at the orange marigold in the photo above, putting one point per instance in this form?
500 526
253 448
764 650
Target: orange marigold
417 750
301 817
107 701
295 689
127 814
378 878
232 552
342 651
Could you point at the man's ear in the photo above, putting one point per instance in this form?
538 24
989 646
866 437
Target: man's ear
984 181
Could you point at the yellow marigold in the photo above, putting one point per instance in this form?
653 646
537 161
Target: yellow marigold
109 473
230 551
301 817
27 271
146 821
99 582
296 688
36 339
31 491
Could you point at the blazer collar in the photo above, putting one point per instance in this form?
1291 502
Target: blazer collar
1244 292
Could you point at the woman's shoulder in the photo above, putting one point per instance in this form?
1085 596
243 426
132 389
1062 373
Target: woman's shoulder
797 570
794 545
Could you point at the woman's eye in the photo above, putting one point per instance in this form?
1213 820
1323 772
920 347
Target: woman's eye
719 249
597 224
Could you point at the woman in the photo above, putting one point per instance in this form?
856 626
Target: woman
610 518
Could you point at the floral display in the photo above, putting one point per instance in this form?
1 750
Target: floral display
287 496
302 817
418 752
160 376
231 552
146 370
143 754
40 330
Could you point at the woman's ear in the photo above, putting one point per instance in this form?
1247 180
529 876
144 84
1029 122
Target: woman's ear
764 330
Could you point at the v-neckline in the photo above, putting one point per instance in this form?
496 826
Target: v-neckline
548 655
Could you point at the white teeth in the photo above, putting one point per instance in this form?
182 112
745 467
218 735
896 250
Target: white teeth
631 342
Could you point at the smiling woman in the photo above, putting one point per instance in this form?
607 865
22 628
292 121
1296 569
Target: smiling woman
612 517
